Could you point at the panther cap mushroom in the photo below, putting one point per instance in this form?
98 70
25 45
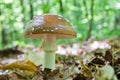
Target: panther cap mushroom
49 27
49 24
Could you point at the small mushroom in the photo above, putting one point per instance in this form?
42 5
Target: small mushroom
49 27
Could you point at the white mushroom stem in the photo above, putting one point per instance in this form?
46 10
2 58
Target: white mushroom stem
49 47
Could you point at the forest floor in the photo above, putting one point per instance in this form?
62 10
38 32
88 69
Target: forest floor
90 60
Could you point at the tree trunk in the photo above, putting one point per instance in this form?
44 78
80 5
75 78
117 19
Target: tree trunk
74 2
116 22
86 10
61 6
3 32
31 9
0 31
91 21
4 37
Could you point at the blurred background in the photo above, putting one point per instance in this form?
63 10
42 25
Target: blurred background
90 18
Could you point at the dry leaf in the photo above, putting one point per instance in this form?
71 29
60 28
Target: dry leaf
85 70
22 65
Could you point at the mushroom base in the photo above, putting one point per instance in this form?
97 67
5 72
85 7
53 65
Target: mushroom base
49 60
49 47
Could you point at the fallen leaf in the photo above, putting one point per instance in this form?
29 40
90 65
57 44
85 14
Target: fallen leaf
85 70
22 65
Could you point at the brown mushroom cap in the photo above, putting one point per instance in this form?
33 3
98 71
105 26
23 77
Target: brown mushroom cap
49 24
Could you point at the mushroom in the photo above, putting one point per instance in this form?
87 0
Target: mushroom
49 27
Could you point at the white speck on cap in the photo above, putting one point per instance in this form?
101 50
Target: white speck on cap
44 30
47 29
59 18
56 28
52 30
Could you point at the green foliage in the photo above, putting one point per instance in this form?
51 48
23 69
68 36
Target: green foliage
15 14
